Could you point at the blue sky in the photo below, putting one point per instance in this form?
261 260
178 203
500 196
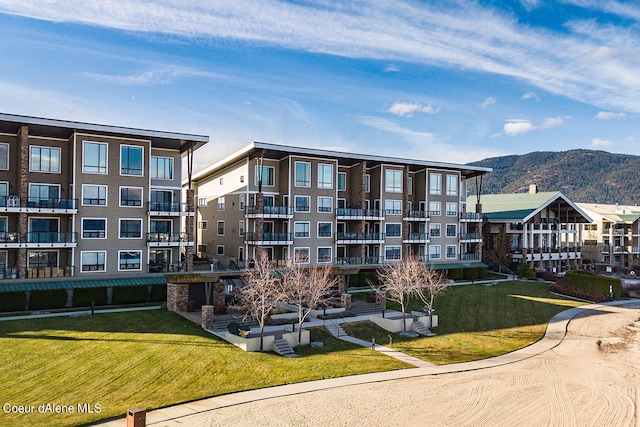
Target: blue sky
454 81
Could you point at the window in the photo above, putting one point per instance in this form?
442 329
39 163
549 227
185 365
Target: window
434 252
202 201
42 259
220 228
324 254
44 159
393 207
392 253
434 230
93 261
393 181
241 228
131 196
452 185
131 160
301 229
367 183
451 230
241 178
342 181
268 173
94 195
4 156
434 208
161 200
450 251
435 183
130 260
94 157
410 185
203 225
325 204
452 209
301 255
43 230
221 181
342 203
241 199
325 175
130 229
302 204
393 230
161 167
94 228
220 250
221 203
303 174
44 196
324 229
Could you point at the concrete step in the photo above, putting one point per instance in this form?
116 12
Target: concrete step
283 348
420 328
335 330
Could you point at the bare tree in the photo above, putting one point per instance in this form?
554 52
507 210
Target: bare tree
262 292
500 252
307 288
433 283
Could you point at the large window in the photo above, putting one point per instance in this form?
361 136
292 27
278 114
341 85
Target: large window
324 229
435 208
393 207
94 157
131 196
302 204
44 230
130 260
94 195
93 261
324 254
42 259
452 209
301 255
131 160
367 183
434 230
94 228
130 228
44 159
40 193
393 230
4 156
325 204
435 183
301 229
392 253
303 174
451 251
393 181
325 175
452 185
268 173
434 252
220 229
161 167
452 230
342 181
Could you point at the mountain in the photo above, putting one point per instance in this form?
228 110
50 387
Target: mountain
587 176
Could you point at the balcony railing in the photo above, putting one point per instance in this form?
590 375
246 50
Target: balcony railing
157 237
360 237
168 207
8 273
417 238
164 267
10 237
416 216
282 238
470 216
51 237
469 257
470 236
66 204
356 213
269 211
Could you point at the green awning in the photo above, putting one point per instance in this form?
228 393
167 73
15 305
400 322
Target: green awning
447 266
13 285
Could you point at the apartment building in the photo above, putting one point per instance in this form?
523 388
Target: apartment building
542 229
331 208
91 201
613 238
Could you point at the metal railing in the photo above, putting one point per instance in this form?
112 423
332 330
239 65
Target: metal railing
268 237
40 203
357 213
157 237
360 236
417 215
269 210
52 237
172 207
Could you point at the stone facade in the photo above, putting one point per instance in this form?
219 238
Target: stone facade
207 316
345 301
177 296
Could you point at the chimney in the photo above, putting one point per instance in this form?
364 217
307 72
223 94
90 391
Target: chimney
533 189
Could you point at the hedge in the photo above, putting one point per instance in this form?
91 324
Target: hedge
470 273
158 293
82 297
13 301
593 284
455 274
130 294
483 272
48 299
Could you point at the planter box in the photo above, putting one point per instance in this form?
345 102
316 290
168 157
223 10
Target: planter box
253 343
395 325
292 316
320 312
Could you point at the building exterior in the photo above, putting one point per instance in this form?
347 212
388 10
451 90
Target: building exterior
330 208
542 229
613 238
91 201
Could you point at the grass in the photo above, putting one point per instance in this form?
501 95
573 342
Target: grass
477 322
148 359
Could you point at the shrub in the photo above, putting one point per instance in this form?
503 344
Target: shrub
158 293
526 272
82 297
130 294
48 299
470 273
455 274
13 301
572 292
590 283
483 272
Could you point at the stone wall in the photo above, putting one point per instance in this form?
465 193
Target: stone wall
177 296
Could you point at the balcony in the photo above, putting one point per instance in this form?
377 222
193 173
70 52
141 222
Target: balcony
620 250
635 250
269 212
38 205
168 209
470 217
252 238
359 238
416 216
10 239
51 240
168 239
470 237
417 238
469 257
359 214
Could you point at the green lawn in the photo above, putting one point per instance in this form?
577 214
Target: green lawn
148 359
478 321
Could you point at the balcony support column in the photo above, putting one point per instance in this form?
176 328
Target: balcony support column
189 224
23 193
362 205
406 250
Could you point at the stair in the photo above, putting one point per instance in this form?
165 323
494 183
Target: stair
361 308
221 323
420 328
283 348
335 329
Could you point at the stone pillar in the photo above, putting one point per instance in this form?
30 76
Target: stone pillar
190 224
23 193
207 316
342 284
259 233
345 301
218 294
362 204
177 296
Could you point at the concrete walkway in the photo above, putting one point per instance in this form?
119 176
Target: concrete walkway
556 331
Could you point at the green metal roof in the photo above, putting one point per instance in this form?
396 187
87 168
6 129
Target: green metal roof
447 266
11 286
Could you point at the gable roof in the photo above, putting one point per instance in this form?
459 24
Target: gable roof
617 214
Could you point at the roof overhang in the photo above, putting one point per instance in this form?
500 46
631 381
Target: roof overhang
563 202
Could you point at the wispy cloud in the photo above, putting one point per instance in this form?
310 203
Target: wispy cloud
515 127
392 68
409 108
597 142
488 102
607 115
568 62
531 95
156 76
